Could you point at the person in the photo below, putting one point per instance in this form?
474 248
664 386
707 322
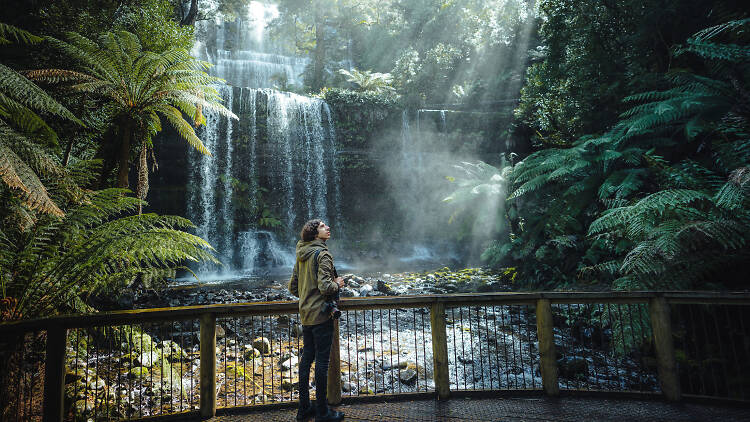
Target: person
313 288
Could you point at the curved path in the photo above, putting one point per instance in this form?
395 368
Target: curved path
517 409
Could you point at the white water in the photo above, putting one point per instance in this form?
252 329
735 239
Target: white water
294 158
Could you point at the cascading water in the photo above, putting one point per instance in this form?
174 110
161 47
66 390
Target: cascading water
271 170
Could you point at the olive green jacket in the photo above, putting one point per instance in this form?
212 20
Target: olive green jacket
304 285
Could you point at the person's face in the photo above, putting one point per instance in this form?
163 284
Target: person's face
324 232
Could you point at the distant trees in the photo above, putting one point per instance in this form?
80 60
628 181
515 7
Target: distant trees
428 46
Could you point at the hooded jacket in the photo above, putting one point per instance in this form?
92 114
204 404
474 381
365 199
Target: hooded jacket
303 284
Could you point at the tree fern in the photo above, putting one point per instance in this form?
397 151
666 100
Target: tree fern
142 87
92 249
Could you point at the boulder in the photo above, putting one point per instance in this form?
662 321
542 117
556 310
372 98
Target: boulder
97 384
220 332
263 345
289 363
172 351
148 359
383 287
365 289
408 376
572 367
138 372
348 292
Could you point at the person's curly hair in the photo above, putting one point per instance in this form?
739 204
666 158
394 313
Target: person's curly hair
310 229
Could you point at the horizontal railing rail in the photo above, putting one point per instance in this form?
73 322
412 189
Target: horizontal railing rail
615 341
290 307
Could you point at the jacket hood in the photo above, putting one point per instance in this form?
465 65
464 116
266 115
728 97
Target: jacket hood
305 250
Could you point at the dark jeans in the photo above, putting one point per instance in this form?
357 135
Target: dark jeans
317 340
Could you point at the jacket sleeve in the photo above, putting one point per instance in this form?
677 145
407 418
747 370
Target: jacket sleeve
293 288
325 274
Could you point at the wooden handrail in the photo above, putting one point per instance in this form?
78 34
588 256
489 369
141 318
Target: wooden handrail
207 314
378 302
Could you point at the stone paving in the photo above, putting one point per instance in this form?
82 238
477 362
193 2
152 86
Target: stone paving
517 409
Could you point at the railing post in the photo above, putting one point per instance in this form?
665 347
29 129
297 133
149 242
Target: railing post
439 350
54 374
334 368
547 358
661 325
208 366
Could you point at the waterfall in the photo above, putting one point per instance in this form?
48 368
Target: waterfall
274 168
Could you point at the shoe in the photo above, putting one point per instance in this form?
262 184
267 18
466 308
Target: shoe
332 416
306 413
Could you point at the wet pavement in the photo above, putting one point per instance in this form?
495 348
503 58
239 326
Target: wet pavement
516 409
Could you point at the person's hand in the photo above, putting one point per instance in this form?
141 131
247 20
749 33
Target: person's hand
339 281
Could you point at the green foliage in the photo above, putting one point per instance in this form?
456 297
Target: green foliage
337 97
142 87
660 199
428 46
94 248
595 53
154 23
367 81
26 168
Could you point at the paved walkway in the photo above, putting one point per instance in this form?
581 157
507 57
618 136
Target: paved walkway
516 409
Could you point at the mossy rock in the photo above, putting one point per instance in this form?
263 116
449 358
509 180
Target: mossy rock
251 352
139 372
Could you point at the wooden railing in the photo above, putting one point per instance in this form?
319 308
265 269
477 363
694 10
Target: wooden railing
655 327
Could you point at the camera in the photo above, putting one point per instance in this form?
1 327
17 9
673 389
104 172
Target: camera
330 307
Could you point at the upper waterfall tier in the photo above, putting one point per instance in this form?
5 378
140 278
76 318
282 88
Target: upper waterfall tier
251 69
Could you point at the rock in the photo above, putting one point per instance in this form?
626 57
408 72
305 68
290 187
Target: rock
148 359
365 289
572 367
289 384
347 387
465 360
140 342
72 375
220 332
283 319
75 391
172 351
289 363
408 376
348 292
138 372
383 287
84 407
97 384
263 345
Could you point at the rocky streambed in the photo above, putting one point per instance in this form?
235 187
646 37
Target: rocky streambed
152 369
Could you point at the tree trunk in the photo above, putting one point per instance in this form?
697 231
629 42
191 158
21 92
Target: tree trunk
192 14
68 149
123 158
